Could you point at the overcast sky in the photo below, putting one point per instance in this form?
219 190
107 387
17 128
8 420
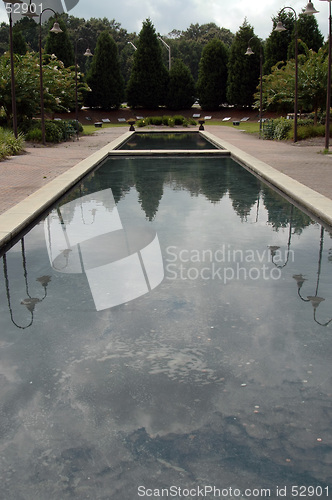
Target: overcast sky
167 15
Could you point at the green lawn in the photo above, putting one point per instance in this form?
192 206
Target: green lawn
249 127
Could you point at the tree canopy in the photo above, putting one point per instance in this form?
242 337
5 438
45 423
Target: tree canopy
104 77
243 70
212 78
148 81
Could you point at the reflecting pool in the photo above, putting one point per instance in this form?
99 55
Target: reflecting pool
166 331
167 140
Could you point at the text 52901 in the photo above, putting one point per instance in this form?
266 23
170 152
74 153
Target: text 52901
23 8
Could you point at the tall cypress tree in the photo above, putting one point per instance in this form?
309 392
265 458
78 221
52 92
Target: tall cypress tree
181 89
147 86
243 70
60 44
104 77
276 45
212 76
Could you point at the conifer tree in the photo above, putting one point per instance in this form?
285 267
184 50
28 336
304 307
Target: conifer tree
276 45
147 86
104 77
19 45
212 75
60 44
243 70
181 88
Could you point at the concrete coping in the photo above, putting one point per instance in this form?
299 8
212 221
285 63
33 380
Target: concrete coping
315 203
22 215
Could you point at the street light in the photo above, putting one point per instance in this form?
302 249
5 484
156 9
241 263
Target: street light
280 28
250 52
12 71
300 279
87 53
310 10
169 52
56 29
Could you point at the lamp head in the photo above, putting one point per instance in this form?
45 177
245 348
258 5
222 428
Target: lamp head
280 27
88 53
310 9
56 28
249 52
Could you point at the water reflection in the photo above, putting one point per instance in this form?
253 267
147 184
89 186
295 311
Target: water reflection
120 263
275 248
29 302
197 381
300 279
162 140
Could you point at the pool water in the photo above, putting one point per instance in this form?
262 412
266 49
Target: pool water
214 373
167 140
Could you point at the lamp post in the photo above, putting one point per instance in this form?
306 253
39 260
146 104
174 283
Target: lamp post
133 46
280 28
310 10
169 52
12 71
56 29
250 52
300 279
87 53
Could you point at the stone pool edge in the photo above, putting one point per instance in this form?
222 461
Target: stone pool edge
19 217
316 203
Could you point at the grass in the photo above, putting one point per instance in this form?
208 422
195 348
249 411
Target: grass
91 129
249 127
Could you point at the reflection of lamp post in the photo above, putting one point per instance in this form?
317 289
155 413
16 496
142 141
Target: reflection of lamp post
280 28
87 53
29 302
249 52
273 249
169 52
300 279
56 29
12 71
310 10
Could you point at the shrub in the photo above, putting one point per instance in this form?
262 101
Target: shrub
55 131
178 119
9 145
277 129
34 135
307 131
166 119
156 120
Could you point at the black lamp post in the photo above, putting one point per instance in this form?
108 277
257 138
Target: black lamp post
56 29
87 53
310 10
250 52
12 71
280 28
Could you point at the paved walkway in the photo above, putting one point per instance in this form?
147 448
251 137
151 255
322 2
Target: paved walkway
22 175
